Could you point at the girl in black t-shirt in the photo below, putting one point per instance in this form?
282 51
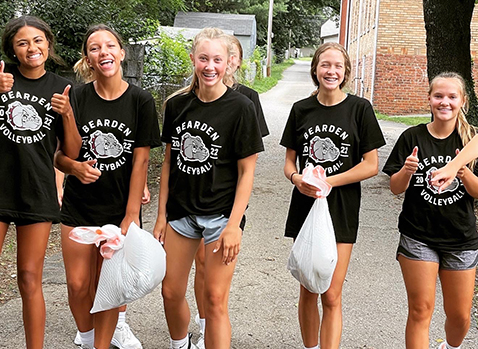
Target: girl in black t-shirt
212 140
118 125
35 119
438 228
339 132
230 80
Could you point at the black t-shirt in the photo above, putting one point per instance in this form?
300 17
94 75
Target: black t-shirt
254 97
110 131
445 220
207 140
334 137
29 129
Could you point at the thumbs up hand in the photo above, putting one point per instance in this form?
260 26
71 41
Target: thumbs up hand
61 102
411 162
6 79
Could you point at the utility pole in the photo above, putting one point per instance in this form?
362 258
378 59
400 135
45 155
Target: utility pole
269 38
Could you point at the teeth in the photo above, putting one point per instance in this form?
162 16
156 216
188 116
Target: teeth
34 56
106 62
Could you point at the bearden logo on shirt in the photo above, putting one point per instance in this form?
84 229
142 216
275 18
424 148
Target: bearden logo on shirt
105 145
193 148
422 178
22 114
323 149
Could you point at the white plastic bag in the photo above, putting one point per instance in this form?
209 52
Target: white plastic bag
313 256
133 271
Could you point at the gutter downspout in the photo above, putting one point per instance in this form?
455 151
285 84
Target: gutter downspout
357 58
374 64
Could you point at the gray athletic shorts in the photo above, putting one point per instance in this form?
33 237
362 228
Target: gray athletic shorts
196 227
448 260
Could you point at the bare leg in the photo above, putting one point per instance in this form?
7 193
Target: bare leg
420 280
180 253
458 288
331 329
105 324
199 278
217 283
80 267
309 318
31 245
3 233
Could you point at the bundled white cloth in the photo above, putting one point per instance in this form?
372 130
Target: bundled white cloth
313 256
133 265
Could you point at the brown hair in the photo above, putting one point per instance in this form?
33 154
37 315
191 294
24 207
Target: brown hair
465 130
235 49
15 24
81 68
315 62
205 34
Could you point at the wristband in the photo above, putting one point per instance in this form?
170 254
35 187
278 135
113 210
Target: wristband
292 175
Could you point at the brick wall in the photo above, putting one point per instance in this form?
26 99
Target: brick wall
401 82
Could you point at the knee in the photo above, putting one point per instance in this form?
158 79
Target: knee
171 294
29 282
420 311
78 289
331 299
216 302
459 320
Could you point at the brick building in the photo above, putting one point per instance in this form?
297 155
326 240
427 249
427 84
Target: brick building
386 41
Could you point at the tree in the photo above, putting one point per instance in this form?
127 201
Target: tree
69 20
447 25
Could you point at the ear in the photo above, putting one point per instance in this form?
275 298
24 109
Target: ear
123 54
191 57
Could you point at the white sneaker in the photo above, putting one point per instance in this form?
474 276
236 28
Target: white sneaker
200 342
123 338
77 339
85 346
190 343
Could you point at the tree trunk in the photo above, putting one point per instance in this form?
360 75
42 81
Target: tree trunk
447 25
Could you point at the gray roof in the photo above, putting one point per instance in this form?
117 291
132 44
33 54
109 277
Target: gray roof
239 24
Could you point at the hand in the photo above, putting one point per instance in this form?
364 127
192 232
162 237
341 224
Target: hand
306 188
159 231
230 243
126 222
85 171
411 162
461 172
61 102
6 79
146 198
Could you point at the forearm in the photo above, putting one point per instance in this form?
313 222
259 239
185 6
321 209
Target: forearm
71 143
164 182
64 163
400 181
367 168
470 181
466 155
137 181
243 190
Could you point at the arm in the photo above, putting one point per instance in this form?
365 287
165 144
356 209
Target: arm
470 181
71 143
59 178
400 181
84 171
367 168
445 175
230 238
136 187
159 230
290 169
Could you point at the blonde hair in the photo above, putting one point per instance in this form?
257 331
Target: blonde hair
82 69
315 62
235 49
205 34
464 129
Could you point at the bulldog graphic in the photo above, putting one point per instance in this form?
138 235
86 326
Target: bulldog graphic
23 117
193 148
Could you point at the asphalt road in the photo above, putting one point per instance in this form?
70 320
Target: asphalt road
264 296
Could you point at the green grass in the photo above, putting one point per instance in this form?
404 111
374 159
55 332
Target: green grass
265 84
304 59
407 120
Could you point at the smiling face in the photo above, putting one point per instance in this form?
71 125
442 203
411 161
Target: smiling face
31 48
330 70
210 61
104 53
446 98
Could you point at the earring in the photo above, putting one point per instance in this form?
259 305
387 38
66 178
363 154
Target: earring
15 56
